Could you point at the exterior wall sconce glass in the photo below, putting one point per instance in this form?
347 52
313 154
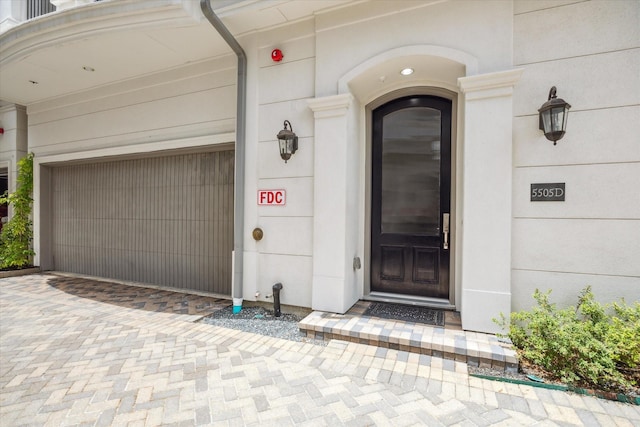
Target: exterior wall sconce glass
288 141
553 117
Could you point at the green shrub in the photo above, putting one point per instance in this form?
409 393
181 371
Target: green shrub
590 344
17 234
624 335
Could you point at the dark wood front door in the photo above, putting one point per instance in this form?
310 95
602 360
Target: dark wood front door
410 200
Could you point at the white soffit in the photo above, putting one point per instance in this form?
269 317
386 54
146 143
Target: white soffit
43 58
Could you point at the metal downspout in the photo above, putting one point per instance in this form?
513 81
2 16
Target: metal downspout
238 222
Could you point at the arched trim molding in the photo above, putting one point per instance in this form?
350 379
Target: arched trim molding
435 66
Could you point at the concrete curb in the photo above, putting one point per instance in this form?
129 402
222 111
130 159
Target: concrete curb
21 272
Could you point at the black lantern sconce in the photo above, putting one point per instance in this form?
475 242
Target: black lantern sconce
288 141
553 117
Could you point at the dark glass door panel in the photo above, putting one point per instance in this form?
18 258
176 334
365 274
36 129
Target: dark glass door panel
410 195
411 172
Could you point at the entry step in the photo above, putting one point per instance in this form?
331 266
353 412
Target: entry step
473 348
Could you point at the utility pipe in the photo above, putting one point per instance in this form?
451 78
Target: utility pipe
276 299
238 222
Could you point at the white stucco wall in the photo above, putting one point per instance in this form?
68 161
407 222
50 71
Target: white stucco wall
318 53
188 102
364 48
349 37
284 254
591 52
309 245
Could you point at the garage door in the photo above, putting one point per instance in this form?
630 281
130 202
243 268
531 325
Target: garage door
165 221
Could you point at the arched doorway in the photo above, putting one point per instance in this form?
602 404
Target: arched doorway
411 197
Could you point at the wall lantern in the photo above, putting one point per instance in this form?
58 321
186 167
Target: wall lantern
288 141
553 117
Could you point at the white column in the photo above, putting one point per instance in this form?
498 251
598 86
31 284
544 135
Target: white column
13 143
486 199
12 13
333 287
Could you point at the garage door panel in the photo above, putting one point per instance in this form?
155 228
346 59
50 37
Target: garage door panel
166 221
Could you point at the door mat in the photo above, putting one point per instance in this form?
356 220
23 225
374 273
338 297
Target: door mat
406 313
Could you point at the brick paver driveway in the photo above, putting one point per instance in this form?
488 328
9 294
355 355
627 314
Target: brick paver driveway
67 359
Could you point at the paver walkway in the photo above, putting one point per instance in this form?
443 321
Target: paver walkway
66 360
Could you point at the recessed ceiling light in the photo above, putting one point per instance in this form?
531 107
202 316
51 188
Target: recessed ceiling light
90 69
407 71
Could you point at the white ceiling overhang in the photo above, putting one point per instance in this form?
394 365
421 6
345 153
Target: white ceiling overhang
105 42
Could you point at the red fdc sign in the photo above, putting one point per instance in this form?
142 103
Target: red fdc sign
272 197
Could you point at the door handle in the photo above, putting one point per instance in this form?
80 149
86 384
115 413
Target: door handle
445 230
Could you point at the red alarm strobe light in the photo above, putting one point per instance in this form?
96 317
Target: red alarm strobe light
276 55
